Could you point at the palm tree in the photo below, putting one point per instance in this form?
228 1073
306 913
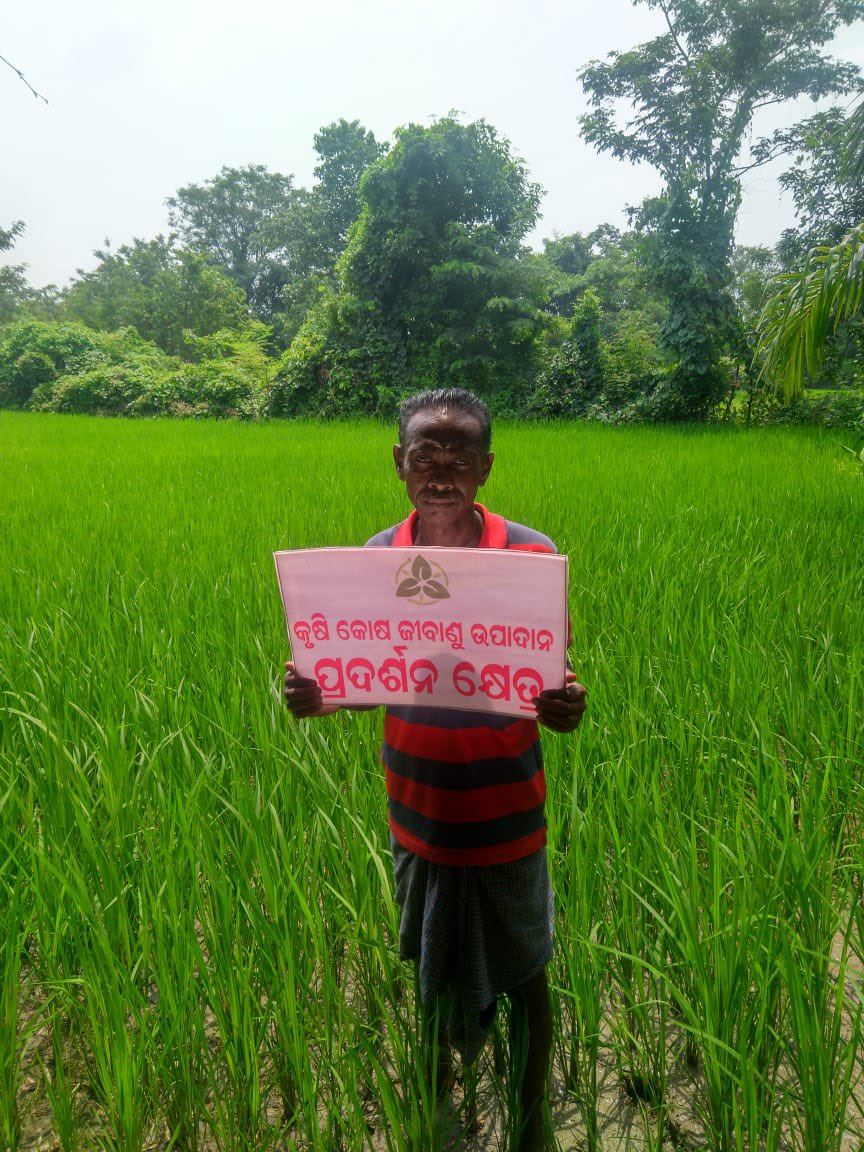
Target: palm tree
807 306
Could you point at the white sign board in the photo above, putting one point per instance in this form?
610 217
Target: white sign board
476 629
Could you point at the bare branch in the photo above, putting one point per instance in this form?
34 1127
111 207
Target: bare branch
664 9
768 102
772 155
23 78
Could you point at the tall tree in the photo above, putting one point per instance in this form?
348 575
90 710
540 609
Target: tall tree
606 260
237 221
565 261
587 339
574 375
345 150
13 281
313 237
694 90
433 288
8 236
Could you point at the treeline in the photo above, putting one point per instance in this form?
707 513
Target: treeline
405 265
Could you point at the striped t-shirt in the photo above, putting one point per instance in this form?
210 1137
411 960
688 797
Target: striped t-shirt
465 788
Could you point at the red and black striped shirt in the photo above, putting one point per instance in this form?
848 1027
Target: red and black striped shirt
465 788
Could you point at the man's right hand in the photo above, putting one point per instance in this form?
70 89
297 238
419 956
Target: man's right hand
303 695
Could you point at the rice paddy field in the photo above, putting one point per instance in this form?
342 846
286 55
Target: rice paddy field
197 933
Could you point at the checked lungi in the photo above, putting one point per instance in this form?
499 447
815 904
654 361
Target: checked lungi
477 933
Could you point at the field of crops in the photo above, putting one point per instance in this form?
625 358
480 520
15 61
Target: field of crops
196 924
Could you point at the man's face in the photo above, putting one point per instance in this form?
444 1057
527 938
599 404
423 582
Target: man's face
442 463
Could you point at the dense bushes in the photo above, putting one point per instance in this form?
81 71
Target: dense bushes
71 368
68 367
843 408
34 355
324 374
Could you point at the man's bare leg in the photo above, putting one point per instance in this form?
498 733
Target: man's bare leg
531 1048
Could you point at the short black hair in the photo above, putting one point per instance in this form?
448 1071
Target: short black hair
436 399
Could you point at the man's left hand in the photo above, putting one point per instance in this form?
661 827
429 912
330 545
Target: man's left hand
561 709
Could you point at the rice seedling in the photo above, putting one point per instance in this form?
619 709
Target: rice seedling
582 978
197 932
60 1090
13 931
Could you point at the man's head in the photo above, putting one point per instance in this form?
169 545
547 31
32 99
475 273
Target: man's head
443 453
446 400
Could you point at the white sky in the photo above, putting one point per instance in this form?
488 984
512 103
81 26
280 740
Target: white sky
146 97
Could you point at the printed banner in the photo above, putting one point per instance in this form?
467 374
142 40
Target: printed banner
477 629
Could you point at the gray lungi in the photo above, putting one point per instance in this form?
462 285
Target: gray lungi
477 932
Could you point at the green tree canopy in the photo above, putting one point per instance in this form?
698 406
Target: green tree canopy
828 196
16 294
606 260
345 150
313 236
8 236
13 281
238 221
160 291
432 285
279 243
807 307
694 90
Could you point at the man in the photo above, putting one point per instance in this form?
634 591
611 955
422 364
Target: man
466 790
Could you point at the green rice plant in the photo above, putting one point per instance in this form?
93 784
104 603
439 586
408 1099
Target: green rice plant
581 937
398 1060
291 952
60 1090
722 976
117 1050
823 1050
637 945
825 1022
14 927
203 888
233 992
303 986
179 1039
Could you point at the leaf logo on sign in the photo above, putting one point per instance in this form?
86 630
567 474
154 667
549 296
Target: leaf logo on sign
422 582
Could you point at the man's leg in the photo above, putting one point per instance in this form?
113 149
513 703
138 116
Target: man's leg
531 1051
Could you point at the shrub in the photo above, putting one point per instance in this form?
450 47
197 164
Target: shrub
843 408
214 388
232 373
109 390
33 353
322 375
70 368
559 392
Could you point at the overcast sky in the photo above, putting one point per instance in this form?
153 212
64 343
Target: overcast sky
144 98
